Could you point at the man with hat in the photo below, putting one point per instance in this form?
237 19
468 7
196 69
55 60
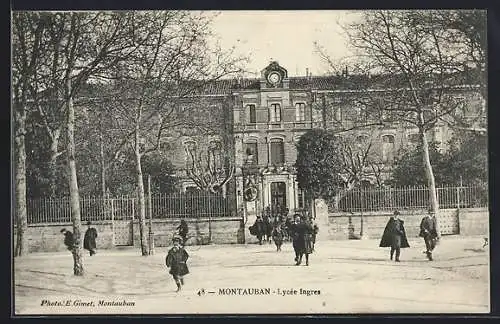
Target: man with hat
89 242
176 260
302 241
394 236
429 233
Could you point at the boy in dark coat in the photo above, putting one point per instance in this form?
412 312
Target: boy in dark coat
176 260
429 233
89 239
394 236
69 239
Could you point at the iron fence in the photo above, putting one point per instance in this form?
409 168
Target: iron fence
379 199
163 206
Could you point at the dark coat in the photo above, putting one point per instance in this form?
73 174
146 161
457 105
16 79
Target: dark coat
176 260
69 240
89 239
391 229
183 229
302 238
428 227
258 228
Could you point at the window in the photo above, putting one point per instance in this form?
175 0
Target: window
277 152
414 138
300 111
300 198
215 150
251 114
190 148
251 153
387 148
275 112
361 141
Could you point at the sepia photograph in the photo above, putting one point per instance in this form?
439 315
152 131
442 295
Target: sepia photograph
170 162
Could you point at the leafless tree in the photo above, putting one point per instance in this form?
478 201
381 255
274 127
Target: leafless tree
174 62
411 69
27 31
81 46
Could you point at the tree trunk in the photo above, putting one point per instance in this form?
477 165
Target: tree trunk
54 145
20 175
103 166
433 202
73 184
142 200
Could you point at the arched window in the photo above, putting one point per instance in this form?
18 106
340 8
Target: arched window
251 117
277 151
215 153
251 152
387 148
190 149
275 112
300 111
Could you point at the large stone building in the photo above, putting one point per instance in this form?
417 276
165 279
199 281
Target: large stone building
266 116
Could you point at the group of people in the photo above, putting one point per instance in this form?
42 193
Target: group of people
301 230
394 235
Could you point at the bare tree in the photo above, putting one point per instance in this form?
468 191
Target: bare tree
413 67
174 62
210 168
27 31
82 46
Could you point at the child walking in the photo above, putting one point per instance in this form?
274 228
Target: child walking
176 260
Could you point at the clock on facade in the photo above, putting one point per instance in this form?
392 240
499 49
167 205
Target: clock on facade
274 78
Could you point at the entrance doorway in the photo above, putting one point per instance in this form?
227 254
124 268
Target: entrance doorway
278 197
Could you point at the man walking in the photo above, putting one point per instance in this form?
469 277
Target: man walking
394 236
429 233
89 242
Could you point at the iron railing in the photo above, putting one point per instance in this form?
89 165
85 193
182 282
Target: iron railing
379 199
163 206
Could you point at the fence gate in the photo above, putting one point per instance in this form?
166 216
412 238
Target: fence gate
122 215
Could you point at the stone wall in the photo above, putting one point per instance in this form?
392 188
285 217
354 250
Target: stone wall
474 221
224 231
469 221
48 238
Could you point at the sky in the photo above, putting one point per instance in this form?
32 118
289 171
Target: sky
284 36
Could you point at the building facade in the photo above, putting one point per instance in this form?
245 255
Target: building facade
265 117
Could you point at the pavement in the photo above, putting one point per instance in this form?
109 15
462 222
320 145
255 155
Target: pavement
343 277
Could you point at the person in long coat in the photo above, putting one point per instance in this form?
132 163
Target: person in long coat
394 236
258 229
302 239
89 240
176 260
183 230
429 233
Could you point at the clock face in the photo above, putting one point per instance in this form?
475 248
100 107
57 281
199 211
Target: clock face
274 77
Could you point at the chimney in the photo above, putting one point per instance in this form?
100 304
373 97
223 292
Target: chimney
307 72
